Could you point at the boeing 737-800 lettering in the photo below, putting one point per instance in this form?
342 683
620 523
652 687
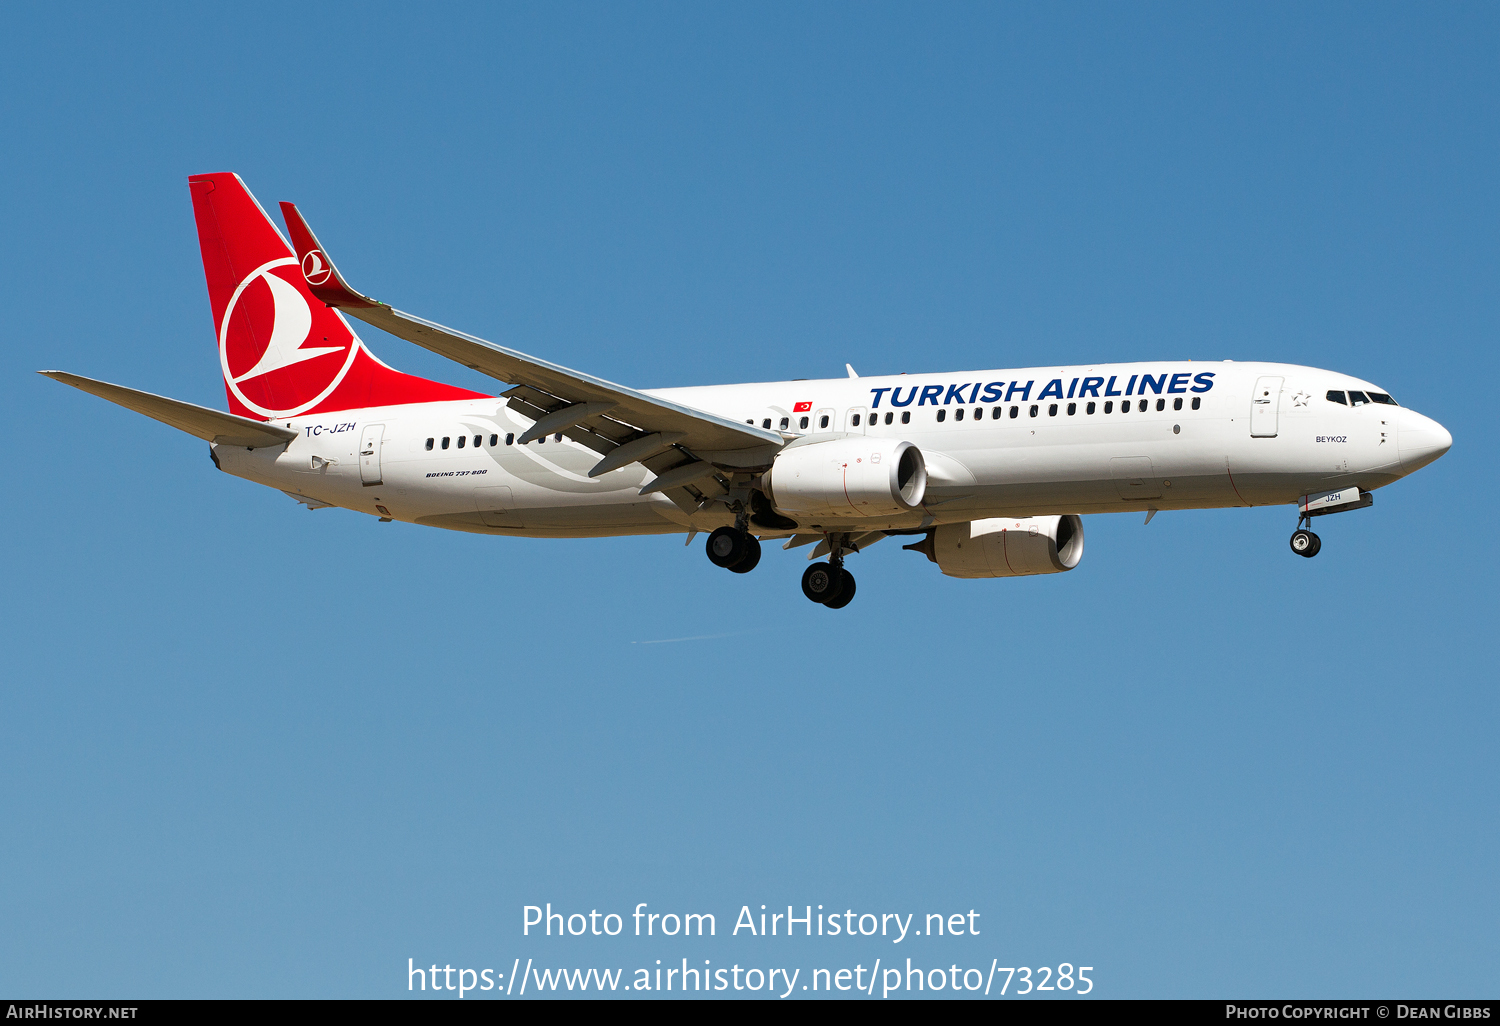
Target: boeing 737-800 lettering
986 472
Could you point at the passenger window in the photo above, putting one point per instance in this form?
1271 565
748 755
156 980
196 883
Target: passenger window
1197 401
803 423
429 445
542 440
786 423
1383 399
445 441
889 418
942 416
1052 410
1015 411
854 420
1089 409
1034 409
510 438
1109 407
1161 404
823 421
478 441
906 417
958 414
1357 399
766 424
1177 403
996 412
1337 396
494 439
461 440
1072 409
557 437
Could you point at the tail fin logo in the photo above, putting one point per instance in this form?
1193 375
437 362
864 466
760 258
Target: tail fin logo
315 267
271 362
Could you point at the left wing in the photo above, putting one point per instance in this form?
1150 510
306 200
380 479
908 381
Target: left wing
686 448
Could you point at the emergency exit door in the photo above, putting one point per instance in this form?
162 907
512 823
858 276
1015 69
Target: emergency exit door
369 454
1264 404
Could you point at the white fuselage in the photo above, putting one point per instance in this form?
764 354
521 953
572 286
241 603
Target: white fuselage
1027 461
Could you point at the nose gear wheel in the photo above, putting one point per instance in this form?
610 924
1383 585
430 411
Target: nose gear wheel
1305 543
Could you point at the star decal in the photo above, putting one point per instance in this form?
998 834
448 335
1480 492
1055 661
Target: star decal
1301 399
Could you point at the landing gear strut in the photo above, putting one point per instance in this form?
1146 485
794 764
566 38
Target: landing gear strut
1304 542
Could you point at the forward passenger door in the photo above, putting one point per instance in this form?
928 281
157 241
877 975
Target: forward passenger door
1265 403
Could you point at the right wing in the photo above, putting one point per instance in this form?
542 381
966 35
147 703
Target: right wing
210 425
684 447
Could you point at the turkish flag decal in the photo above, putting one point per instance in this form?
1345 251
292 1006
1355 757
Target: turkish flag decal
802 408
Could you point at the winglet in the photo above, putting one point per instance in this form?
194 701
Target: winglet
323 279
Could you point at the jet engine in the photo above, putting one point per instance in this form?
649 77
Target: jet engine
846 477
1005 547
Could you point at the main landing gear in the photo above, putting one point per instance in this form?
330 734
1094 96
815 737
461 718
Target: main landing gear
734 549
829 584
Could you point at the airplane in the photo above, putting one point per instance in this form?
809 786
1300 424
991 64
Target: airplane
986 472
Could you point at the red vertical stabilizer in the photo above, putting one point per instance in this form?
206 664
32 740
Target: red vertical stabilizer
283 353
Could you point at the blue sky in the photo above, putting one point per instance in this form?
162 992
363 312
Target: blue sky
256 751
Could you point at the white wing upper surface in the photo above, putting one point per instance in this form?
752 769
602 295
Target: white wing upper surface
597 413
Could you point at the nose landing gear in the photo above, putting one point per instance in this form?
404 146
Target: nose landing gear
1305 543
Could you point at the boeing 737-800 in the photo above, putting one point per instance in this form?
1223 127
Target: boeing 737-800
987 472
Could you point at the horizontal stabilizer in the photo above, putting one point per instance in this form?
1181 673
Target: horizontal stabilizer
200 421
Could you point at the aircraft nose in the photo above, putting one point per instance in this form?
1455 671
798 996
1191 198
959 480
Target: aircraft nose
1422 440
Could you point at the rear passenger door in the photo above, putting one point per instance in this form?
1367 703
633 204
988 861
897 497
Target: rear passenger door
369 454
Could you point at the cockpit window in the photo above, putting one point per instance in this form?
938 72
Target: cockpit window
1335 396
1383 399
1358 399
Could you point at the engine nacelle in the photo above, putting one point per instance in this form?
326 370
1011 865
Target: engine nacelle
847 477
1005 547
